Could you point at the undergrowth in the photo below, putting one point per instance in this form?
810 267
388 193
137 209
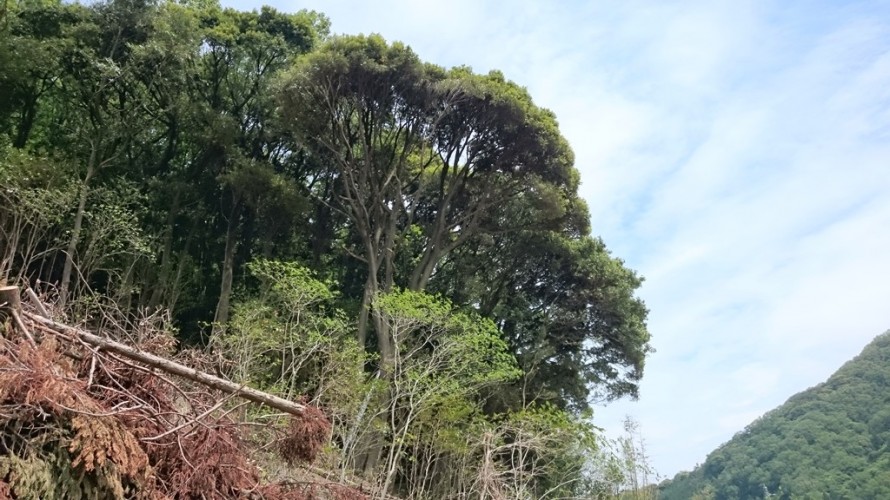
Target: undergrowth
76 423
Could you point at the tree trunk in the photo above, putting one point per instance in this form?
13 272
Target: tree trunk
10 299
180 269
385 371
162 284
7 249
395 451
364 314
26 123
64 288
225 290
420 277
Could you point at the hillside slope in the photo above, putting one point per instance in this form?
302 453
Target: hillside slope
830 441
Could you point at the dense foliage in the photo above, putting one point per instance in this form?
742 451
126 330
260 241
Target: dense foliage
401 243
830 441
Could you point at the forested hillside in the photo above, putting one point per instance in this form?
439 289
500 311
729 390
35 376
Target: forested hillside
830 441
330 219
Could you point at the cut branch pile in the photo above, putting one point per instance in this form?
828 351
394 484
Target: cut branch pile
83 416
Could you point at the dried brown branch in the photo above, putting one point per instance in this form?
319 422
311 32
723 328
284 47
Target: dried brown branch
172 367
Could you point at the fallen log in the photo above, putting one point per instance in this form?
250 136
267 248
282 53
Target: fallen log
35 301
171 367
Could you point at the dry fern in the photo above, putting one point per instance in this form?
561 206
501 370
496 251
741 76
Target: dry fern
81 424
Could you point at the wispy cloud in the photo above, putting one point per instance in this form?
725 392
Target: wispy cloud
736 153
765 243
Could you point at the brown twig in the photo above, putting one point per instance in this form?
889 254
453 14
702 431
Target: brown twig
191 421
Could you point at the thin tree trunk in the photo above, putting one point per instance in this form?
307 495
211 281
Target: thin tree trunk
163 281
180 268
392 462
7 257
64 288
364 314
225 290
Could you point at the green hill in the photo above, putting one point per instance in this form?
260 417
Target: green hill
831 441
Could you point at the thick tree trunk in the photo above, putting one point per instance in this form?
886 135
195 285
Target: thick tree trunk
386 348
10 299
26 123
421 275
321 230
11 307
372 457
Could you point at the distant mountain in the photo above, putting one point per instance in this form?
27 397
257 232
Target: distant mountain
831 441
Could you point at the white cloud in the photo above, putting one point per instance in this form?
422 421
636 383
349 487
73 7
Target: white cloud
702 44
784 194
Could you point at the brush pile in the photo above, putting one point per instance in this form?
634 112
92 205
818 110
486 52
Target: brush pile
79 421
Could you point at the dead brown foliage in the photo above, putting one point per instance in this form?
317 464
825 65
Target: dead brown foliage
74 419
306 436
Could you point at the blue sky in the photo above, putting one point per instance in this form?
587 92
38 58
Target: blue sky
737 154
